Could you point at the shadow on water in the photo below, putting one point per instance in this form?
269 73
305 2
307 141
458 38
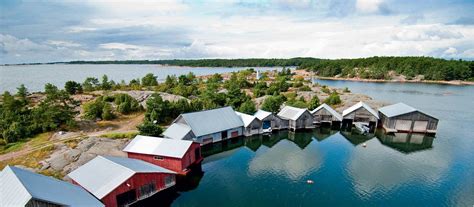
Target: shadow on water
402 142
168 196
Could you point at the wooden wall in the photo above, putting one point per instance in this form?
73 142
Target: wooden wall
414 116
135 182
171 163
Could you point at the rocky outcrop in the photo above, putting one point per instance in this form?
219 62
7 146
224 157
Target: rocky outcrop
65 159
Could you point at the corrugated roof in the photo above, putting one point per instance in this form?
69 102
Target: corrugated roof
328 108
103 174
158 146
212 121
292 113
247 119
261 114
177 131
19 186
396 109
399 109
357 106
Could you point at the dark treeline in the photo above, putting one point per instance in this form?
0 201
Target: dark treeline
373 67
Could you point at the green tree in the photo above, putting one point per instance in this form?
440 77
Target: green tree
157 109
90 84
248 107
149 80
259 89
22 94
72 87
106 84
150 129
272 103
313 103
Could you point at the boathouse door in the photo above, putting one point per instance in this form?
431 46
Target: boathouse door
126 198
266 124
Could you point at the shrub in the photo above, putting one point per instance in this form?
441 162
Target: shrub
305 88
126 104
333 99
325 89
150 129
107 113
248 107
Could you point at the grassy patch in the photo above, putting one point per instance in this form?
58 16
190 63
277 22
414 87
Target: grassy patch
52 173
35 141
11 147
117 135
30 160
40 139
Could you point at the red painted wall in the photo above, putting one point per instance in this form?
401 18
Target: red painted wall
135 182
171 163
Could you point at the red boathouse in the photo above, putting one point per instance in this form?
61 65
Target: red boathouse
121 181
172 154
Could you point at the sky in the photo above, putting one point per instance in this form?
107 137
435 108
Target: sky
34 31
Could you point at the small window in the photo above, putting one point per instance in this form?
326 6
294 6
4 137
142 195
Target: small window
158 157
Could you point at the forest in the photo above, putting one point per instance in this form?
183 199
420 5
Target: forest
372 68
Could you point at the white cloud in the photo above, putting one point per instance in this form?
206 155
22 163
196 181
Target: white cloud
61 43
142 8
368 6
451 51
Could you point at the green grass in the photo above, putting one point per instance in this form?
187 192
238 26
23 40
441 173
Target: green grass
11 147
34 141
116 135
30 160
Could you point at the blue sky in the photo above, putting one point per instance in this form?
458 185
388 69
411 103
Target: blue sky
54 30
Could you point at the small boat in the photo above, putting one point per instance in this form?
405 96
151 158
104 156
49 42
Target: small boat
362 127
267 131
310 181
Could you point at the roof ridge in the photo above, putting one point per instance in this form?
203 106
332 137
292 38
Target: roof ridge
193 112
11 168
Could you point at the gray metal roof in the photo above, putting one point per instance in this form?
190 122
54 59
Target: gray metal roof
247 119
292 113
357 106
19 186
261 114
103 174
329 109
158 146
399 109
212 121
177 131
396 109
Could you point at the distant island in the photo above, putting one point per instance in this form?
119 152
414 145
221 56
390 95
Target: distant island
372 68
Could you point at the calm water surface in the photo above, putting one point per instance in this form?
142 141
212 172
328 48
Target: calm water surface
36 76
397 170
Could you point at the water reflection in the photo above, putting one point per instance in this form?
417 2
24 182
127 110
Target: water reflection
355 138
323 133
406 142
264 163
287 159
